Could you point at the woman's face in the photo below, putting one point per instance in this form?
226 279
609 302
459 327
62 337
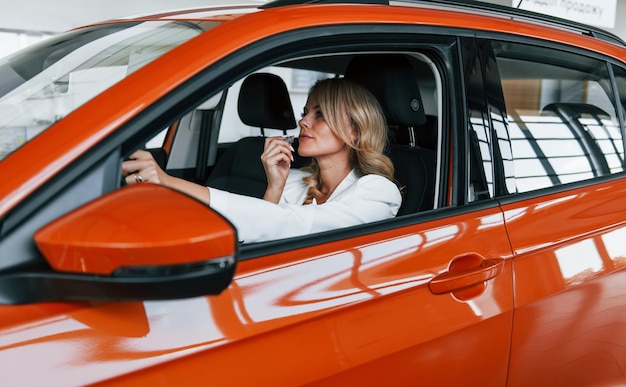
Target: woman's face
316 138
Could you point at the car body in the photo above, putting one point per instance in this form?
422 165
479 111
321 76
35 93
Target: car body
514 273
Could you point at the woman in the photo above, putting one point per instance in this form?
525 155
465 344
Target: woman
349 181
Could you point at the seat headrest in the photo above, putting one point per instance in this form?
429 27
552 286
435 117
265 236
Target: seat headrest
264 102
393 82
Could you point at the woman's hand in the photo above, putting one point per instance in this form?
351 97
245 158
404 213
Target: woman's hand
276 158
143 168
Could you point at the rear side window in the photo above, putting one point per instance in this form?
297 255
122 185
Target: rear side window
562 117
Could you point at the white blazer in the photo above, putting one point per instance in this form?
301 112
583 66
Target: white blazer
356 200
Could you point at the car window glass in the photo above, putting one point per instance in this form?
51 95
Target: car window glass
561 116
44 83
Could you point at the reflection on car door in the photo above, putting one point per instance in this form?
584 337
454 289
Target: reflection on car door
368 316
358 311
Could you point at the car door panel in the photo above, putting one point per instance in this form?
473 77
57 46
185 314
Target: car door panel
568 327
343 311
562 127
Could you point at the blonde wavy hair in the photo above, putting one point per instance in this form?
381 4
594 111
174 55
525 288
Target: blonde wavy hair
341 98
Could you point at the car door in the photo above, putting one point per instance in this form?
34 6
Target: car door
424 298
566 222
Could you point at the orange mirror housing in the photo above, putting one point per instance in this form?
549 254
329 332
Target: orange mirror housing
145 225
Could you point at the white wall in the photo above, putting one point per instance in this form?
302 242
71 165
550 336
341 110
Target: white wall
62 15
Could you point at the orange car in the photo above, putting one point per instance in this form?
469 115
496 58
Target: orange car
506 265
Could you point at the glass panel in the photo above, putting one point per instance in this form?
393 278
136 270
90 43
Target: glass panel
562 120
47 81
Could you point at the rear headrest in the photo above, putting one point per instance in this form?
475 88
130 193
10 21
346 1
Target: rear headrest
574 109
264 102
393 82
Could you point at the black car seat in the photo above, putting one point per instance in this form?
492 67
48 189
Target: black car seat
393 82
264 103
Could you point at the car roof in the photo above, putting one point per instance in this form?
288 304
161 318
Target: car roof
231 11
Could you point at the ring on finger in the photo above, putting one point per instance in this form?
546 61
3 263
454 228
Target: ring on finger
138 178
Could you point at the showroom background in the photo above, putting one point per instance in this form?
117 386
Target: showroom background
28 21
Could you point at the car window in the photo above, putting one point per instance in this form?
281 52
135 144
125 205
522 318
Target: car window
43 84
228 126
561 114
213 132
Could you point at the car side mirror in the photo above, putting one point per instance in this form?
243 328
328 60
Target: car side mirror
136 243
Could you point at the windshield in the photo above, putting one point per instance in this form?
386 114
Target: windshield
43 83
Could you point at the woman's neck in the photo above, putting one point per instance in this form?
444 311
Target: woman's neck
332 176
333 169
